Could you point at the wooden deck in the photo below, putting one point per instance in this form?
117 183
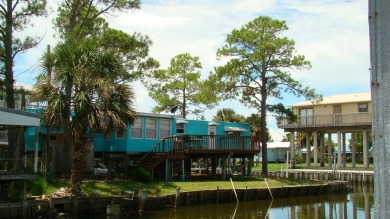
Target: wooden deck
198 146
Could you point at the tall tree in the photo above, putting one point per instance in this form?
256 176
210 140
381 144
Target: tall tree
180 86
228 115
80 20
15 16
260 61
101 101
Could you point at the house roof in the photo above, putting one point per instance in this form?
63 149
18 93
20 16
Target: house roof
17 117
234 129
273 145
337 99
157 115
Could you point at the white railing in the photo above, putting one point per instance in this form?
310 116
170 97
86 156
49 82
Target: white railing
342 119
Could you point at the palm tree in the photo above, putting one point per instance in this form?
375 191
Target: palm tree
254 121
228 115
101 102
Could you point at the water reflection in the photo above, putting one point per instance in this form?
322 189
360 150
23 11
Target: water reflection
359 203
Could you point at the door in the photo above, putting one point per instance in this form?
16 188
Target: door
212 131
337 112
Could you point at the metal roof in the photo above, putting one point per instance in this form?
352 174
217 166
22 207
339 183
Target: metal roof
10 116
337 99
234 129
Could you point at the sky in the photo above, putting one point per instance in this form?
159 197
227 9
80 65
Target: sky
332 34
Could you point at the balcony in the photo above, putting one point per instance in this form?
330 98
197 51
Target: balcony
342 120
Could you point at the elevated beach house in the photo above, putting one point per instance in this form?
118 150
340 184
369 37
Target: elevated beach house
338 114
165 145
13 164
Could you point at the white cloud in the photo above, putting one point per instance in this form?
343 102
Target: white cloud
147 20
332 34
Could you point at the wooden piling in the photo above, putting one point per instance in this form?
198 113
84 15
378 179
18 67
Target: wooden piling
217 196
75 204
141 200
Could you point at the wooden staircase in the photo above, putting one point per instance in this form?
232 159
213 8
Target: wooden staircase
154 157
151 160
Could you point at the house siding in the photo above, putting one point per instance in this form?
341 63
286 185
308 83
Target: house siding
129 144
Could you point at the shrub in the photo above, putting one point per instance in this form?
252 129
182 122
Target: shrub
141 175
37 186
298 159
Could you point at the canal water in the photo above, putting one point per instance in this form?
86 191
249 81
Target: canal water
357 204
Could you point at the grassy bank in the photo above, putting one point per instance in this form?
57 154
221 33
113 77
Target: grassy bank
100 188
114 187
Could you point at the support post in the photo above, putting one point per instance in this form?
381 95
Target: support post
322 146
292 149
243 169
330 153
36 151
183 170
223 167
213 167
315 144
308 155
339 150
167 169
365 150
353 150
250 165
344 151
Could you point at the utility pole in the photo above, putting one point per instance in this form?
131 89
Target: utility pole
379 23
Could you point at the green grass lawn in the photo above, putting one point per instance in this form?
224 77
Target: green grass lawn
100 188
114 187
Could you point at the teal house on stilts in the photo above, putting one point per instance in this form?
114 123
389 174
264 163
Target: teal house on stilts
165 145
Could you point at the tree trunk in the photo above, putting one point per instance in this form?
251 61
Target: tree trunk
67 139
8 58
79 156
9 77
263 128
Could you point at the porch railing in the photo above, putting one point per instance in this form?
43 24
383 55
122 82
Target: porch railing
177 145
207 142
330 120
13 165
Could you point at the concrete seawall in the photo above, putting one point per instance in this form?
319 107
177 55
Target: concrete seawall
352 176
78 207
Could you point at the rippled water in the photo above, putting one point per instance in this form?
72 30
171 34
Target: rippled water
359 203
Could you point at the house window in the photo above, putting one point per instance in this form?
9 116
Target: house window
121 132
180 128
306 116
165 128
363 107
151 128
136 129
